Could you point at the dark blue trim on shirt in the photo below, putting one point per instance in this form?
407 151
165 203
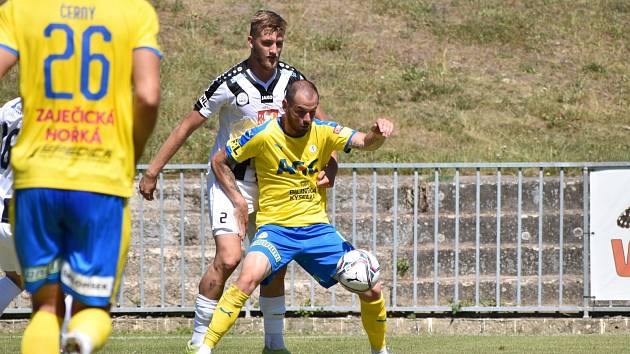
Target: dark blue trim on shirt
150 49
10 50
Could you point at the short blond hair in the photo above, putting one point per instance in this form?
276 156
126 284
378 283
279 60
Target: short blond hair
265 20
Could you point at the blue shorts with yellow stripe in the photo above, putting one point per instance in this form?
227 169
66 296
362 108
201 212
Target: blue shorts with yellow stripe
77 238
316 248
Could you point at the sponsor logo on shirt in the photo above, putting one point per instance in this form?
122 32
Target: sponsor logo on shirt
242 99
235 146
297 166
266 98
267 114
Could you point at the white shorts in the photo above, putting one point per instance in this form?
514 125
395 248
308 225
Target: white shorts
8 257
222 210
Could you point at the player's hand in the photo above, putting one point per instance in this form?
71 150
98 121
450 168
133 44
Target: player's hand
323 180
383 126
146 186
326 177
241 215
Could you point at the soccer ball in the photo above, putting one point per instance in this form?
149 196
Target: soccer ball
358 271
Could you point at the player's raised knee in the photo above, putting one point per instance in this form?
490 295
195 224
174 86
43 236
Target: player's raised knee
372 294
227 264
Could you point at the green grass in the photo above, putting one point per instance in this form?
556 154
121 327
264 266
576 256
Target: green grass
169 343
463 80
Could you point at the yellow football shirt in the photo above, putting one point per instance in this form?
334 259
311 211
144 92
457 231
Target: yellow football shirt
75 61
287 169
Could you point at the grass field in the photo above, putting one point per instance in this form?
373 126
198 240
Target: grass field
121 343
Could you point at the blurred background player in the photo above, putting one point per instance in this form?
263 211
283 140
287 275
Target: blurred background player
245 96
84 129
11 283
292 221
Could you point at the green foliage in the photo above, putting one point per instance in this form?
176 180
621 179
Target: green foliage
456 308
463 80
169 5
402 266
594 68
307 313
328 42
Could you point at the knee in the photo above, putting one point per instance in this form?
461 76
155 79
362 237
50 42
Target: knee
373 294
226 264
247 283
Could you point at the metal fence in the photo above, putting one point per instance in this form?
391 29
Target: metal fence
450 237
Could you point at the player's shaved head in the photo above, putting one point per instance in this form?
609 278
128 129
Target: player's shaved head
304 87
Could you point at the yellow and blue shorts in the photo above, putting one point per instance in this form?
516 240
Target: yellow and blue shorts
77 238
316 248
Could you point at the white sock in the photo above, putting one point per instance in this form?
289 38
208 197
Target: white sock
67 315
204 349
85 342
8 292
382 351
204 308
273 309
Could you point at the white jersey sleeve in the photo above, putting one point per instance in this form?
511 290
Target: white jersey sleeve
10 125
213 98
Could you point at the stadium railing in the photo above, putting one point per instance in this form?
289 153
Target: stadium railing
451 238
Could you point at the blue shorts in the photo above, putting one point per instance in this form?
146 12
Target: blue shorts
316 248
77 238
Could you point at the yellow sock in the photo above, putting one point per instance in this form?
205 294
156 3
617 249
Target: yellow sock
374 318
225 314
94 323
41 334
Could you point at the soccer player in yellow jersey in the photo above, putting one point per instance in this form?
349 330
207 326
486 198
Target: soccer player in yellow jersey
89 81
292 223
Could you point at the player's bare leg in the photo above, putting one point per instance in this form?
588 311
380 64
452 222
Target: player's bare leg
255 268
42 333
374 318
273 308
226 258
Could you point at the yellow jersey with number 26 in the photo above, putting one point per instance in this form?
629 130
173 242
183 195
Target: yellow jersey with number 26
287 169
75 62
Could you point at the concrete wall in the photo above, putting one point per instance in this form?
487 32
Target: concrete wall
357 226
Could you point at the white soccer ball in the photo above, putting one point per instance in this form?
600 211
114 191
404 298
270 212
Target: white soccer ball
358 271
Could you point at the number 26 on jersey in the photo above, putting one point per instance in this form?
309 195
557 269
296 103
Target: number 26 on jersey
86 57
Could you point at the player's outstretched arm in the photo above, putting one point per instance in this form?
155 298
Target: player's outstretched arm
225 177
186 126
146 97
373 140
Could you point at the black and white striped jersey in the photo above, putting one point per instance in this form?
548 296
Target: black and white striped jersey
11 123
242 101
